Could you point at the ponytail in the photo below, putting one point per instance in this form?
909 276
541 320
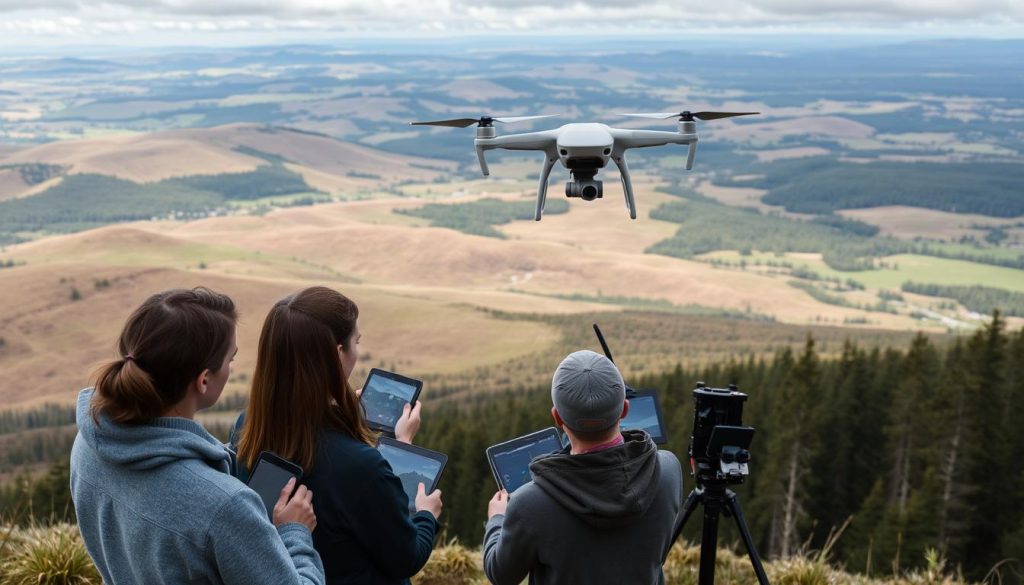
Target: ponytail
166 343
126 393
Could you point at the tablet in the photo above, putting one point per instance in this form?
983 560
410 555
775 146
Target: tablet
269 477
413 465
645 414
510 461
384 396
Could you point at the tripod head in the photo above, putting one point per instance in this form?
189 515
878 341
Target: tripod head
719 446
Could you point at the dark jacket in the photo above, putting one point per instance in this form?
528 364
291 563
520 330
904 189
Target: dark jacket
364 532
604 517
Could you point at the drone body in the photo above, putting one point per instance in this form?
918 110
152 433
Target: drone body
583 149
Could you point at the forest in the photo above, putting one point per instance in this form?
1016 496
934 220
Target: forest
824 185
83 201
977 298
913 441
917 445
479 217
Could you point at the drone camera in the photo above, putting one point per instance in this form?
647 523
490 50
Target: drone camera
587 190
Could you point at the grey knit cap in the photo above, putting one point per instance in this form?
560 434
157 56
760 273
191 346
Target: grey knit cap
588 391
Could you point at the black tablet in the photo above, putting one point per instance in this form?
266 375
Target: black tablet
645 414
510 461
384 396
413 465
269 477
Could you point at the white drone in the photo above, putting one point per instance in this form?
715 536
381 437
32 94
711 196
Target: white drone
584 148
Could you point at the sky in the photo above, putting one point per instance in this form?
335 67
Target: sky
48 24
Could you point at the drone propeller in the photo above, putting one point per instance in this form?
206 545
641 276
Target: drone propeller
689 116
484 121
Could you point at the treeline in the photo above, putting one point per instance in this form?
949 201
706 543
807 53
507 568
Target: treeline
707 226
479 217
845 244
35 173
823 184
89 200
977 298
29 500
919 446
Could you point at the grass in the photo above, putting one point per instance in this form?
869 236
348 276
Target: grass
454 564
56 555
53 555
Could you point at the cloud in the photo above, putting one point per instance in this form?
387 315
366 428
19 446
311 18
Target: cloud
412 17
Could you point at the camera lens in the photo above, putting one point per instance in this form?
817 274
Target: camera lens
589 192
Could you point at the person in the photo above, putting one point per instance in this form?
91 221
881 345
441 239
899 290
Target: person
152 489
302 408
600 511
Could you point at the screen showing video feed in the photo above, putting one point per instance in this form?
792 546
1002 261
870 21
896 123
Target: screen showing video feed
384 399
412 469
643 415
513 467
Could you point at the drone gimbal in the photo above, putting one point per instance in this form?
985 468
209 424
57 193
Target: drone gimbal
584 149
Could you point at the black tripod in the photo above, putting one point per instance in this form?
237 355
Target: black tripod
717 499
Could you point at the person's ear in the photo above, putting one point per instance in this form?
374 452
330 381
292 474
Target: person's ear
625 409
558 419
200 382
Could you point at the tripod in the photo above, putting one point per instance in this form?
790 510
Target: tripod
717 499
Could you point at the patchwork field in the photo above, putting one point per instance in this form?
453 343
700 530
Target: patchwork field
435 302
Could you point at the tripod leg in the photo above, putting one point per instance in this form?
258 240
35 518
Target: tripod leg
709 542
734 506
689 505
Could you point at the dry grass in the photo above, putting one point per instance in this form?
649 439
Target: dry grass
324 161
52 555
457 565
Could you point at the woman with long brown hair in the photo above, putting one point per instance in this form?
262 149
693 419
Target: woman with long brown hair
152 489
303 409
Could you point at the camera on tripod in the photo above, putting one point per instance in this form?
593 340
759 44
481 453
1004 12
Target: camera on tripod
719 446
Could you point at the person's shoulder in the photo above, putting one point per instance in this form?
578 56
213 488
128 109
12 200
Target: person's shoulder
216 484
669 462
671 468
337 446
531 500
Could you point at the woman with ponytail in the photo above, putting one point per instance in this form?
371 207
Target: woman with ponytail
303 408
152 490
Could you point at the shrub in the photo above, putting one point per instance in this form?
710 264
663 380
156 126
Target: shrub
52 555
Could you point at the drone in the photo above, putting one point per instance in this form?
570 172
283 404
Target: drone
584 149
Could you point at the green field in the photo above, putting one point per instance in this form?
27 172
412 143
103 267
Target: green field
899 269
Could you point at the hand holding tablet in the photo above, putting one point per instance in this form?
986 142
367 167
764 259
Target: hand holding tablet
413 465
384 397
510 461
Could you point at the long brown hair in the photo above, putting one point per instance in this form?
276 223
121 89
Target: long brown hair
165 344
300 388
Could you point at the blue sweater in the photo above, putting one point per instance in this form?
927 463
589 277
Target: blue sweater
364 532
156 504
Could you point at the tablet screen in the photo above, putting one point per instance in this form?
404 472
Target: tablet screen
513 466
412 468
643 415
384 399
268 480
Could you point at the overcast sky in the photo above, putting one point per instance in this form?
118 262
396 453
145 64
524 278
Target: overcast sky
42 23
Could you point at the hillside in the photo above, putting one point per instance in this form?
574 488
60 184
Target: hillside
70 293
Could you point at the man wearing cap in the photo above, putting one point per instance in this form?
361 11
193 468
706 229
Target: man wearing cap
600 511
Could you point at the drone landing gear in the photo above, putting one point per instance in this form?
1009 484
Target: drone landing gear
627 183
542 188
717 500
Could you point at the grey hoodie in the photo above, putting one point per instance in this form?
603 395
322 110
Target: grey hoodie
156 505
604 517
